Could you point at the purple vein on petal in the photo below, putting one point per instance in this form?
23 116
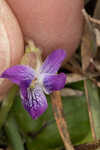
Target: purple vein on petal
54 82
53 61
19 74
34 101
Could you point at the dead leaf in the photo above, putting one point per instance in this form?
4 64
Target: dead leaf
71 92
88 46
97 32
74 77
97 13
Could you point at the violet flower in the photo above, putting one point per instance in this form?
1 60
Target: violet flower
45 80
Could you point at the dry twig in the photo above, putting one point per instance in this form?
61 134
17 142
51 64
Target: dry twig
59 117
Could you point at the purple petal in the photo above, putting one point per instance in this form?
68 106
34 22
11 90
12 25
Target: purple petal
53 61
34 101
54 82
19 74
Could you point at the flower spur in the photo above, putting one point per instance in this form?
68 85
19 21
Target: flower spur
45 80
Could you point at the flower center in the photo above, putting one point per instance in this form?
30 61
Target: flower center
32 85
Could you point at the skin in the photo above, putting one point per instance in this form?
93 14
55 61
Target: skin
51 24
11 43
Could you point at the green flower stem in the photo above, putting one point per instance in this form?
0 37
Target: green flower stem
6 105
13 135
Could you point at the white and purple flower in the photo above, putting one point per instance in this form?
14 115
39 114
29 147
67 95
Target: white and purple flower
44 79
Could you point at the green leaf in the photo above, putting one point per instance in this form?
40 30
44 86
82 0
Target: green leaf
94 100
43 133
7 104
13 134
77 85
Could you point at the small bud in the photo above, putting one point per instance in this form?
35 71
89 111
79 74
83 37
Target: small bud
32 56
